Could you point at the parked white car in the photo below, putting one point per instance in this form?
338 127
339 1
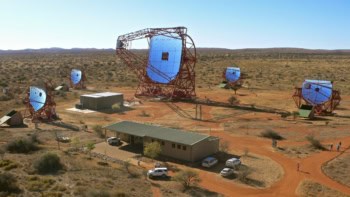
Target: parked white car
226 172
113 141
158 172
233 162
209 162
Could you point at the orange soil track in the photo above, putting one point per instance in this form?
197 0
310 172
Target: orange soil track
310 168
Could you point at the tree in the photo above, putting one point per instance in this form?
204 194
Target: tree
223 150
76 142
223 147
152 150
187 178
99 131
127 164
90 146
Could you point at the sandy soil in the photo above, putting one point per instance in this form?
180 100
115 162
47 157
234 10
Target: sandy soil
238 126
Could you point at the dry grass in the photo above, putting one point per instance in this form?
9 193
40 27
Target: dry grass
80 176
339 169
298 151
264 171
310 188
271 79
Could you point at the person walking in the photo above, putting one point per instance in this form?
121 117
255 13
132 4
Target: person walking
331 147
298 166
338 147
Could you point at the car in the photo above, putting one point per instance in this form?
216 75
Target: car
113 141
158 172
63 139
233 162
226 172
209 162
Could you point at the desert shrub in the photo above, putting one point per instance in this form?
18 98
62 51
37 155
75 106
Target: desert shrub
11 166
243 173
315 143
117 107
8 184
232 100
34 138
98 130
38 184
21 146
103 193
48 163
102 163
90 146
144 114
2 153
187 178
5 162
5 97
52 194
271 134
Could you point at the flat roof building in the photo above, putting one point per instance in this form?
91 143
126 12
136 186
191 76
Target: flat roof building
175 143
101 101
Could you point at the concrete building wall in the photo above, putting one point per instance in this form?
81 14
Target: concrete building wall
99 103
205 148
173 150
178 151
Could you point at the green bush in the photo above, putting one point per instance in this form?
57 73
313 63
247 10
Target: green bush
48 163
271 134
8 184
152 150
21 146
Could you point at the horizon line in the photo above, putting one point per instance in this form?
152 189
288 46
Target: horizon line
92 48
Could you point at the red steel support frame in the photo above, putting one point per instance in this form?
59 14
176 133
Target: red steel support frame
321 109
183 86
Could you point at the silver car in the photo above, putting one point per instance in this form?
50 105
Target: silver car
226 172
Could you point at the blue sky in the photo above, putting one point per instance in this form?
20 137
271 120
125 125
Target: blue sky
315 24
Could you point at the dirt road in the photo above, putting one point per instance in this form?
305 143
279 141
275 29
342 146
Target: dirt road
287 185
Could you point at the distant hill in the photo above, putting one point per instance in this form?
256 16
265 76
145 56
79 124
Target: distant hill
276 50
204 50
53 50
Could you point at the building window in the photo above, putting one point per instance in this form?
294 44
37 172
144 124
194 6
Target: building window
178 146
165 56
183 147
173 145
163 143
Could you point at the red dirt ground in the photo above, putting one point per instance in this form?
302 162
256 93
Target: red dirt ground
160 113
310 169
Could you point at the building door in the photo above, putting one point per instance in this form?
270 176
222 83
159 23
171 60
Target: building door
132 139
